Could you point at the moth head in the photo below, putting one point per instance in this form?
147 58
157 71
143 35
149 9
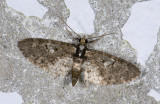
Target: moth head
83 40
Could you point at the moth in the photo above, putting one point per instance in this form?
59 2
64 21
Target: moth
98 67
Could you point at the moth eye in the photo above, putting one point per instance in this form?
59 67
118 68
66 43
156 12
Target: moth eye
86 41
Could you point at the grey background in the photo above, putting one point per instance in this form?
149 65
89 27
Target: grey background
38 87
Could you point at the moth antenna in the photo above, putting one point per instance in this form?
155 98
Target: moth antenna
70 34
69 28
99 37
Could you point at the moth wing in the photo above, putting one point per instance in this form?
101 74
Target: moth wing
54 56
103 68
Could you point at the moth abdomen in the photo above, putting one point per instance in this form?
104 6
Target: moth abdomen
75 76
76 69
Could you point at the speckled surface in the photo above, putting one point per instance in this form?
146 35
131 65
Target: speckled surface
38 87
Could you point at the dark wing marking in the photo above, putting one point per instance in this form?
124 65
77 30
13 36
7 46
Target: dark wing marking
51 55
102 68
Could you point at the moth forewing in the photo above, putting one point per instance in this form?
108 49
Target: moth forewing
46 53
109 69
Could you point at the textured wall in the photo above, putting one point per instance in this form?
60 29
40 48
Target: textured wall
38 87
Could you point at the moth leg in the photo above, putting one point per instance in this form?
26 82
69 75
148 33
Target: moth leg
68 78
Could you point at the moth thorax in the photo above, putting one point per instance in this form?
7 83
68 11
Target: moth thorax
81 47
81 50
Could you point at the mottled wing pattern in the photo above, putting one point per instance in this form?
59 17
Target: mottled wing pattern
54 56
102 68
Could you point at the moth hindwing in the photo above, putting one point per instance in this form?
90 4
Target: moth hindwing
99 68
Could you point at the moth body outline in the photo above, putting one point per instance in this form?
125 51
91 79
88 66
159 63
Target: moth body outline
100 68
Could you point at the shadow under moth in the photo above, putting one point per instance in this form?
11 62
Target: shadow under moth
97 67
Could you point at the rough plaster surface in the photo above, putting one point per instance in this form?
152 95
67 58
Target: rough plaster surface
38 87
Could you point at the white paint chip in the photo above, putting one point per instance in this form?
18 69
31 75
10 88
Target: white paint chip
142 27
81 16
28 7
154 94
10 98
